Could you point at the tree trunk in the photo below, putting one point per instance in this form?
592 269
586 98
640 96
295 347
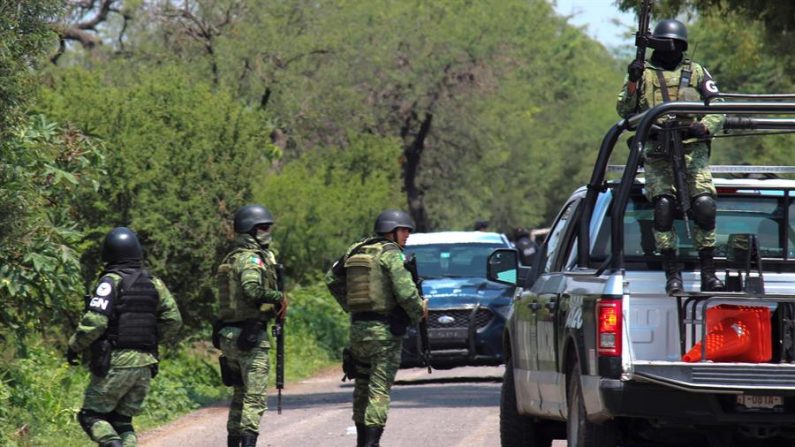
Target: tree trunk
412 153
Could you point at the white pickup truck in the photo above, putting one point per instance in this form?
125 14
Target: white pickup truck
597 353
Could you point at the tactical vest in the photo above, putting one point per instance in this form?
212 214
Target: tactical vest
232 305
367 287
134 321
654 88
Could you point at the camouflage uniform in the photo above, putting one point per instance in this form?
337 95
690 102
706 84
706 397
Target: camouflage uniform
254 270
659 177
120 394
372 342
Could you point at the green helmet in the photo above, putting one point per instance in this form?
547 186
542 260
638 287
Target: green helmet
671 29
249 216
389 220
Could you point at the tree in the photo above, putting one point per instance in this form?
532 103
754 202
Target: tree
181 158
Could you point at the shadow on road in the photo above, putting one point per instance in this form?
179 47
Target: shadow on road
440 380
442 392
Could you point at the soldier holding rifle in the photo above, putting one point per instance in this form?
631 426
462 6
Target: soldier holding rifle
676 159
372 283
249 296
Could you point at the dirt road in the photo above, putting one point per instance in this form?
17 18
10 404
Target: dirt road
449 408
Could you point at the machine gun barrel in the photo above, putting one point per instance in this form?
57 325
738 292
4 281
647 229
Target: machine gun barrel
425 346
278 335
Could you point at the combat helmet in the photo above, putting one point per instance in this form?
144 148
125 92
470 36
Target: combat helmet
391 219
121 243
249 216
671 29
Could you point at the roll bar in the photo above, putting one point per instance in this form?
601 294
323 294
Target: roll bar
642 123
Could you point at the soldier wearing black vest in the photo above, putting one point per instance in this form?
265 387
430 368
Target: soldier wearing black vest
127 315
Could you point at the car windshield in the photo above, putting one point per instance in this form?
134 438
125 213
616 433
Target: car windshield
452 260
760 212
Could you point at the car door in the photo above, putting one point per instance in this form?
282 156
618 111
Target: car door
545 294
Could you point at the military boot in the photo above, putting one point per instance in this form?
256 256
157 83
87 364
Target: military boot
709 282
233 440
673 278
361 435
374 436
248 439
114 443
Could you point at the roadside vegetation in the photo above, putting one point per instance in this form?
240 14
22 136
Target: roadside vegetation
166 116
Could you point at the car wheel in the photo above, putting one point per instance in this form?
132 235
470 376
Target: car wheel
516 430
579 431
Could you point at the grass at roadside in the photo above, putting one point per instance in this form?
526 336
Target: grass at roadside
40 394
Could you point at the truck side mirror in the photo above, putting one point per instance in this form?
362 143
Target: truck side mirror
502 266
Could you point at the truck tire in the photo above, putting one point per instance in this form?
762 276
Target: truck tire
579 431
516 430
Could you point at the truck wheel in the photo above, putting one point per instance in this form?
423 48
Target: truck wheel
515 430
579 431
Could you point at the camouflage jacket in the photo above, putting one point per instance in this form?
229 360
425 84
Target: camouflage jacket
93 324
649 91
404 291
256 268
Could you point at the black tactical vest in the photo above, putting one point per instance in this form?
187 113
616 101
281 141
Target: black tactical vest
134 321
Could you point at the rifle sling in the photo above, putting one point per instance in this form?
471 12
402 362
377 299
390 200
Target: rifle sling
663 86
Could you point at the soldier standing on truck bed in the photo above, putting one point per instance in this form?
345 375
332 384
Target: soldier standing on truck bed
670 76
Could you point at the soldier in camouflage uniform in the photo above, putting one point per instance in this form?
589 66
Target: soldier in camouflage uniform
671 76
371 282
129 312
248 298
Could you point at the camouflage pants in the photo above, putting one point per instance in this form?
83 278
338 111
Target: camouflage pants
250 400
122 391
371 395
660 181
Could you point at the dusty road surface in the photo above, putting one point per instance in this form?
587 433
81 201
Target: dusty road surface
449 408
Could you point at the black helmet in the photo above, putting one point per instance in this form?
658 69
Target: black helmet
388 220
121 243
249 216
671 29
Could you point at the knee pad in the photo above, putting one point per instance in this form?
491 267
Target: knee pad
87 419
704 211
664 210
121 423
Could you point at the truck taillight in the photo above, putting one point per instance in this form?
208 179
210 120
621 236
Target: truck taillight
608 330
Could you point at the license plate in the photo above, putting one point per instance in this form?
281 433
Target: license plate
752 402
447 334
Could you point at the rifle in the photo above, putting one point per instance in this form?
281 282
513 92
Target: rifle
425 346
676 149
644 38
278 333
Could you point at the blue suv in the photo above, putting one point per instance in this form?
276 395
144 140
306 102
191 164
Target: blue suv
467 312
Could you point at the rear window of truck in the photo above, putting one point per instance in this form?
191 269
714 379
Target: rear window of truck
760 212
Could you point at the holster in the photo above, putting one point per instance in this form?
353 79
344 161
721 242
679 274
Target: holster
398 322
349 366
229 377
249 333
216 336
100 357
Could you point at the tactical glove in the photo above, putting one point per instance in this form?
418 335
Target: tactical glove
635 71
697 130
72 357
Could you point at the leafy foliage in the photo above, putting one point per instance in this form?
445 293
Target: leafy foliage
182 158
310 197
